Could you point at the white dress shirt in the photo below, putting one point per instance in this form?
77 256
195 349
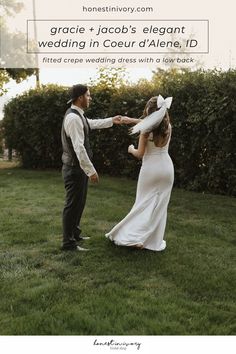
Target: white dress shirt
75 130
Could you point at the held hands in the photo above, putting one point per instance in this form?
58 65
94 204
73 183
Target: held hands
116 120
124 120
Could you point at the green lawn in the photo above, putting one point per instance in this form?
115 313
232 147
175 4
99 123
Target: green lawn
190 288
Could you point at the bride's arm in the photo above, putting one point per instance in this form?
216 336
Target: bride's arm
143 138
128 120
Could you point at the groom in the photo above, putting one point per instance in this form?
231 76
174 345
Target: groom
77 162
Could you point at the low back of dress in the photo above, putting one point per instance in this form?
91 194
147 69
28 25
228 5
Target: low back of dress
151 148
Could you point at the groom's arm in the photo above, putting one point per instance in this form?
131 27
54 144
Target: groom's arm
104 123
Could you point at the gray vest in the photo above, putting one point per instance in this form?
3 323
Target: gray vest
69 156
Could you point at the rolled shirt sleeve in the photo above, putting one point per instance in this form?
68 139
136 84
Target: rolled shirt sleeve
75 130
100 123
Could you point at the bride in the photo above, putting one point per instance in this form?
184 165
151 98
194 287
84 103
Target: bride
144 226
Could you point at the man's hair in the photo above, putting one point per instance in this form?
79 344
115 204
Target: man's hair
77 91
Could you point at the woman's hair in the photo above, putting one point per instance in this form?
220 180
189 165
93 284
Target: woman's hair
162 130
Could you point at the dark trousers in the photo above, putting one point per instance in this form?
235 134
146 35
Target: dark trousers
76 185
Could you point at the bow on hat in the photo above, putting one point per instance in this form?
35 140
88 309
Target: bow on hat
164 102
154 119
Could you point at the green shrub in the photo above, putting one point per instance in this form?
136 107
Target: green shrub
204 126
202 114
32 123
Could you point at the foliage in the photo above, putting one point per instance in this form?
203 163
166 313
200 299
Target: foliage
1 137
4 78
13 42
204 128
33 130
20 74
110 78
10 7
203 120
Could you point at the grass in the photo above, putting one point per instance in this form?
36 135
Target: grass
188 289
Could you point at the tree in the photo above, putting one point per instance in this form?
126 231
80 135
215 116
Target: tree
110 78
13 41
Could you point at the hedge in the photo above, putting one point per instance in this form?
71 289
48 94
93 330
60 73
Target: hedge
203 119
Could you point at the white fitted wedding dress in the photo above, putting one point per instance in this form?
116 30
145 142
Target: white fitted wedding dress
145 224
